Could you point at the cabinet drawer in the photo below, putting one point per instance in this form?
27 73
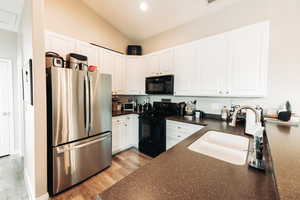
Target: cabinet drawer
171 142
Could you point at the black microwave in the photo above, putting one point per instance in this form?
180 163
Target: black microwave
160 85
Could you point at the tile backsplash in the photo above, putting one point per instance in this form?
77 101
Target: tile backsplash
208 104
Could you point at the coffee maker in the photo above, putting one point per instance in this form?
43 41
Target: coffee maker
181 108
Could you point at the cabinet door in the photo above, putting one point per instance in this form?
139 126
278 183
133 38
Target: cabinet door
60 44
128 134
135 76
117 128
152 65
174 134
248 69
185 67
166 62
108 66
120 74
88 50
212 66
134 124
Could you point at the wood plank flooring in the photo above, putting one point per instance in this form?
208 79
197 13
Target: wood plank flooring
123 164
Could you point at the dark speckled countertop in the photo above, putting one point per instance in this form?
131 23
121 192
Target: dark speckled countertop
180 174
284 145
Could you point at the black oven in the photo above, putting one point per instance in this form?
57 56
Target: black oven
160 85
152 135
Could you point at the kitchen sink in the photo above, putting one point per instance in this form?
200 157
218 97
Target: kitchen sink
222 146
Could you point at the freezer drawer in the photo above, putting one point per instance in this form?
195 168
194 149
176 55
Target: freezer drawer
73 163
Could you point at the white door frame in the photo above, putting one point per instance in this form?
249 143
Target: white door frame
11 121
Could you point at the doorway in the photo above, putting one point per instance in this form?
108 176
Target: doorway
6 108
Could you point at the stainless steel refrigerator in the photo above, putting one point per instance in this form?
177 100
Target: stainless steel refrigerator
79 126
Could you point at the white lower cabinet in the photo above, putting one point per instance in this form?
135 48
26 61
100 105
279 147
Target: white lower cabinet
124 132
178 131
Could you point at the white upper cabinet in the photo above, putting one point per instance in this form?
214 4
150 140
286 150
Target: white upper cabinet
107 62
135 75
152 65
114 63
249 61
160 63
166 62
212 66
185 64
60 44
232 64
88 50
120 74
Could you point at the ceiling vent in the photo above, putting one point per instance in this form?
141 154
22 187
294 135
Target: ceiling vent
211 1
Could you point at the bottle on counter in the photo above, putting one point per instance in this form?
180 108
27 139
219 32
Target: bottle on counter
224 113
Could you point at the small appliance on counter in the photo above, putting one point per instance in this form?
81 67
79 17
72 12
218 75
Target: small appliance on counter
199 114
181 108
116 105
129 106
285 113
190 108
121 103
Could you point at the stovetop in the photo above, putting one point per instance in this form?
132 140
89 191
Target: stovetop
161 110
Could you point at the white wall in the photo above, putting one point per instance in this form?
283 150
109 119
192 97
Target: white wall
284 69
239 14
8 50
24 54
31 44
284 80
74 18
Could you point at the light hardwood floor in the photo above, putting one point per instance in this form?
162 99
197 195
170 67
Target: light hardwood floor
122 165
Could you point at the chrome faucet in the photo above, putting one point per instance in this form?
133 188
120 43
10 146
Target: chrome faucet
255 158
234 116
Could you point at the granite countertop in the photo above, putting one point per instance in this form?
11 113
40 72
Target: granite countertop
284 142
181 174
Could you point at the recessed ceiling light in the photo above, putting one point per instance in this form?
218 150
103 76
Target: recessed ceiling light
144 6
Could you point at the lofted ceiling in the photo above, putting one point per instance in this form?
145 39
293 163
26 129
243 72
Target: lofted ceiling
10 12
162 15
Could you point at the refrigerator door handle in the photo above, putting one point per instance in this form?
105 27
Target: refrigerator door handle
86 104
90 105
104 137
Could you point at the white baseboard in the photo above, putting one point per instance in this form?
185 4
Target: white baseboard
30 192
43 197
28 185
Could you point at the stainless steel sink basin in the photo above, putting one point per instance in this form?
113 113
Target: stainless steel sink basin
222 146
